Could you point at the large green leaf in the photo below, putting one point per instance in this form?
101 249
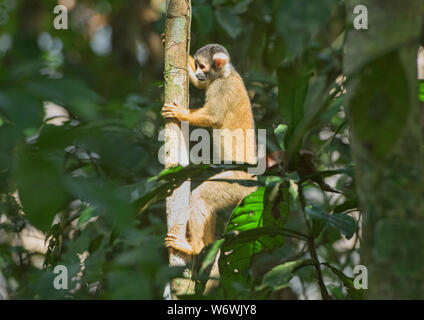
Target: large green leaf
251 229
235 260
41 188
292 90
21 109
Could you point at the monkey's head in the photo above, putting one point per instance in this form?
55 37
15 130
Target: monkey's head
212 62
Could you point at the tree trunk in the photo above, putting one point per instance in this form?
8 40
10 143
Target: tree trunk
382 103
177 31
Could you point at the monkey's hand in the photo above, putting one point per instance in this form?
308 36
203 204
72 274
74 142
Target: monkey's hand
174 111
180 244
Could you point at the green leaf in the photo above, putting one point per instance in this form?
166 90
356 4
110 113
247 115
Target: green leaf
349 204
235 257
26 69
347 282
70 93
104 197
85 215
279 277
207 262
21 109
316 94
203 15
229 21
242 6
9 137
280 133
318 217
128 284
336 291
344 223
250 230
292 90
421 94
243 237
209 259
276 201
299 20
41 188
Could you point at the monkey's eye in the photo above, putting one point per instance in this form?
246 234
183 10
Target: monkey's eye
202 66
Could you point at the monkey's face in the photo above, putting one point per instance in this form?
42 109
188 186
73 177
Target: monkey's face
202 68
212 62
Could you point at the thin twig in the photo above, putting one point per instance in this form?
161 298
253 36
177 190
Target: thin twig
312 247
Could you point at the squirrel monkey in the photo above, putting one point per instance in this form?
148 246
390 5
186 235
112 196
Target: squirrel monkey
227 108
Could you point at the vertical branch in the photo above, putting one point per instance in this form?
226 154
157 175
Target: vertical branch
177 30
311 246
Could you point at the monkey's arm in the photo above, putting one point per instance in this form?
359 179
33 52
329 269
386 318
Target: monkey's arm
191 72
201 117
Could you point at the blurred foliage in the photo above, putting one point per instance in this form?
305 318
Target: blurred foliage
92 182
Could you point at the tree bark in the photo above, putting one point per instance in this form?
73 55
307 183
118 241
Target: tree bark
383 109
177 43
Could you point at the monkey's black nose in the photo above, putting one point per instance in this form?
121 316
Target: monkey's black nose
200 76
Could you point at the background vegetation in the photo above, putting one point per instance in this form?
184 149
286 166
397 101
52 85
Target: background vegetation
79 124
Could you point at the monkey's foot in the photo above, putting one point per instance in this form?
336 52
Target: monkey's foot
178 244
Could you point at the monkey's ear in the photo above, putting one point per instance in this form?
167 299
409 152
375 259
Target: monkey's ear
220 60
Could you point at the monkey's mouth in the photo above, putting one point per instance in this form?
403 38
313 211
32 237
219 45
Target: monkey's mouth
202 76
